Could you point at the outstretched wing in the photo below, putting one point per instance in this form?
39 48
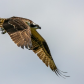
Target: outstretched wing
41 48
19 31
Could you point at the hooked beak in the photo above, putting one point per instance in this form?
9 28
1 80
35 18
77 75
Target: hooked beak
39 27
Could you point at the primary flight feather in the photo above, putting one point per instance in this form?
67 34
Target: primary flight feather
23 32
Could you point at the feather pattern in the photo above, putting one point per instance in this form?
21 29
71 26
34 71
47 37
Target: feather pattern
23 35
41 48
19 31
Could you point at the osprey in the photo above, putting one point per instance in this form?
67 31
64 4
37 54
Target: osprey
23 32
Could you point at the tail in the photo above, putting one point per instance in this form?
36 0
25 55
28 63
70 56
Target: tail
1 22
1 25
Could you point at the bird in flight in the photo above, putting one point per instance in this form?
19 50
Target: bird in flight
23 32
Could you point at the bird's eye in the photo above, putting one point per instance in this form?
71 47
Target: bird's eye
34 23
31 25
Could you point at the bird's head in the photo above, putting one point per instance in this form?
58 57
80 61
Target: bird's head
33 25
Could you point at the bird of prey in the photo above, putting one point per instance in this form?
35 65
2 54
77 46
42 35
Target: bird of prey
23 32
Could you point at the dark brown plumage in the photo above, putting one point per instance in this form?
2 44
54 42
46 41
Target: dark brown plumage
23 32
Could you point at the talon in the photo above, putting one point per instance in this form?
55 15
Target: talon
3 32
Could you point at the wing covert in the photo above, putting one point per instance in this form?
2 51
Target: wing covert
19 31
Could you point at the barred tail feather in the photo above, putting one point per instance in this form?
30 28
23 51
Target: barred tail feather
1 22
1 25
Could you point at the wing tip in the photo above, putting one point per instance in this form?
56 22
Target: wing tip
60 73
